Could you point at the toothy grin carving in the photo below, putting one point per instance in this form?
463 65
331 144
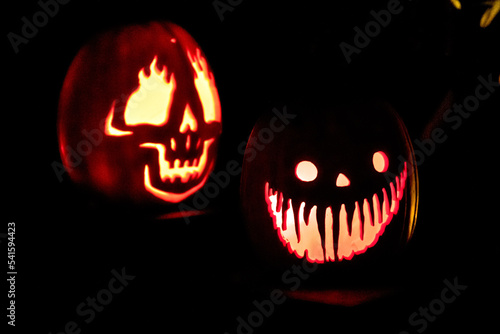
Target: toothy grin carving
185 171
355 231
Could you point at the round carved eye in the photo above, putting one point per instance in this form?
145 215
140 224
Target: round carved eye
306 171
380 161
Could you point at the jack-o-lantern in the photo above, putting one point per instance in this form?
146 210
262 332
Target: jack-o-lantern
331 186
139 114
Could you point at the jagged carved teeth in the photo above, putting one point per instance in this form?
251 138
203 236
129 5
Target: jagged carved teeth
185 170
355 231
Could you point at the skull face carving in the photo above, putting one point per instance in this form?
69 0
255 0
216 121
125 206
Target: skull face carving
184 158
332 186
151 94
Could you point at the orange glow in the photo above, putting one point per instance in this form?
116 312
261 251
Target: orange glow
456 4
109 129
148 89
188 121
306 171
304 239
342 181
308 241
205 85
380 162
170 196
185 171
490 13
329 251
150 102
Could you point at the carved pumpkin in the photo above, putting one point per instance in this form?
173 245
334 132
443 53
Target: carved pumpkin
332 186
139 114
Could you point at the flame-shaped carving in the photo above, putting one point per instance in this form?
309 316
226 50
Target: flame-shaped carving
205 85
150 102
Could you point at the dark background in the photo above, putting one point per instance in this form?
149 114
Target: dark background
199 277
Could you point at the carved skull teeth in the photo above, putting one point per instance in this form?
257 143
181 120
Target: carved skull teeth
368 220
183 170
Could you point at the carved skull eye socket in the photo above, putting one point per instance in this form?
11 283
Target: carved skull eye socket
306 171
380 162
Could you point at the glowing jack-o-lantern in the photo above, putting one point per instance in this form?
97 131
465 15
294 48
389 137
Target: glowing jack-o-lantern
139 114
331 186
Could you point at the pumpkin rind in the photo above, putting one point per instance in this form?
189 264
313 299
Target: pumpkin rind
104 145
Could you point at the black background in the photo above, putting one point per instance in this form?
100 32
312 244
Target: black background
201 276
